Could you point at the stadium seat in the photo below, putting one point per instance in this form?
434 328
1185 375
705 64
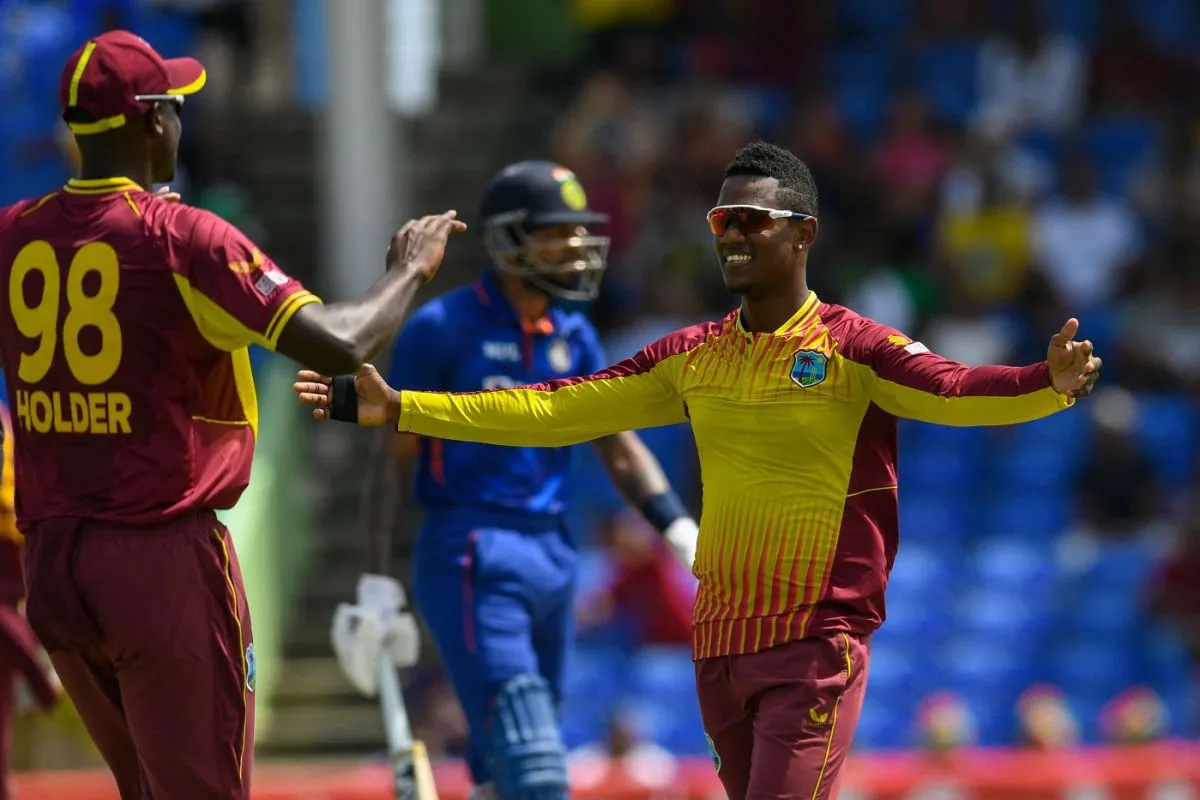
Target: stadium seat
1091 666
1167 431
977 664
873 18
940 469
1034 517
594 673
881 727
1005 564
1078 18
1007 618
946 73
662 672
1117 147
862 104
948 436
1168 22
933 518
1027 465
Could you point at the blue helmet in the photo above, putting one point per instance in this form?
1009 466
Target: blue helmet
529 195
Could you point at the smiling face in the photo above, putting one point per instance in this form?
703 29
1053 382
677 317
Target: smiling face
758 263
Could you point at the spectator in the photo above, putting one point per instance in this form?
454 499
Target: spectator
1136 716
624 760
1045 720
1031 79
649 587
1084 242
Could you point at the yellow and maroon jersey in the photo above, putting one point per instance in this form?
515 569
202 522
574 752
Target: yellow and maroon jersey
12 577
124 327
796 432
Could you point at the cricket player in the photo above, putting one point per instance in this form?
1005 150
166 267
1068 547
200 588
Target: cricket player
495 568
19 651
124 326
793 403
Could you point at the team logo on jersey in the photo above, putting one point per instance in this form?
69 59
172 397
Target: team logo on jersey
910 347
712 751
559 355
246 267
809 368
251 668
571 189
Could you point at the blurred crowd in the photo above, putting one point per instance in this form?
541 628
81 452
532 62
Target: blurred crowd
986 170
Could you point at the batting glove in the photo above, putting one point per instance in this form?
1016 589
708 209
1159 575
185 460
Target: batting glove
376 623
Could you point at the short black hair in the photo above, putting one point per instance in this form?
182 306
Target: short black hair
797 189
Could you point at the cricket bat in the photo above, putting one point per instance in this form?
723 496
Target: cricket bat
412 774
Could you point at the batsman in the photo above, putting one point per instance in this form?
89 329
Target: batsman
495 566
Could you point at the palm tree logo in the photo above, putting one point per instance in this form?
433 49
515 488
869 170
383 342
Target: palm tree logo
808 368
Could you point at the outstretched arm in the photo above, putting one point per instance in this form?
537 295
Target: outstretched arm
908 381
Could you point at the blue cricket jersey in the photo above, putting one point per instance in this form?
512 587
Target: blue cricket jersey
469 339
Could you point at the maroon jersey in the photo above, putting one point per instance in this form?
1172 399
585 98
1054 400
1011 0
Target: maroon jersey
124 327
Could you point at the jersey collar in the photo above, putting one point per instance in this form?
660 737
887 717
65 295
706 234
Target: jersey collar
490 295
101 186
797 320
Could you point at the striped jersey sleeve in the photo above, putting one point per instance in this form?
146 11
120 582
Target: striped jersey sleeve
910 382
639 392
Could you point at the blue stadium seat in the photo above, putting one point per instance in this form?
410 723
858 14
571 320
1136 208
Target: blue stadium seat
862 104
948 436
1169 22
1038 517
673 726
978 664
1079 18
1027 465
881 727
1103 612
1091 666
946 73
938 468
1011 565
1006 618
933 518
1167 430
1117 147
874 18
594 674
867 62
662 672
583 722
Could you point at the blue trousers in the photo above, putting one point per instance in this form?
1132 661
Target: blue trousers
498 596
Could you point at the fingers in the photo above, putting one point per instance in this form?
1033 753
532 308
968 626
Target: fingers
313 394
308 376
1066 334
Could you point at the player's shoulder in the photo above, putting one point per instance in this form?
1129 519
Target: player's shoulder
23 209
860 338
177 219
684 340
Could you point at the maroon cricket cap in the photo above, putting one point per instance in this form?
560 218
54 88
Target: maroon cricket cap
114 75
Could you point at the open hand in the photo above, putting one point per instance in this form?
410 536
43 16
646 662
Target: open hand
1074 369
375 397
421 243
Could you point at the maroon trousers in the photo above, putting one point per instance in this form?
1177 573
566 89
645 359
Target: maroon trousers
780 721
149 631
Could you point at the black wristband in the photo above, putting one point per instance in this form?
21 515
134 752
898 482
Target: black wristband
343 401
663 509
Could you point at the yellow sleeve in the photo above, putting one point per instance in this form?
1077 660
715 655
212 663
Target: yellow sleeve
640 392
910 382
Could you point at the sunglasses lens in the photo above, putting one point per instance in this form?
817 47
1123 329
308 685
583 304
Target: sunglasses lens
748 220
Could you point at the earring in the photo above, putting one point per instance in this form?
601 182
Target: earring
800 246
